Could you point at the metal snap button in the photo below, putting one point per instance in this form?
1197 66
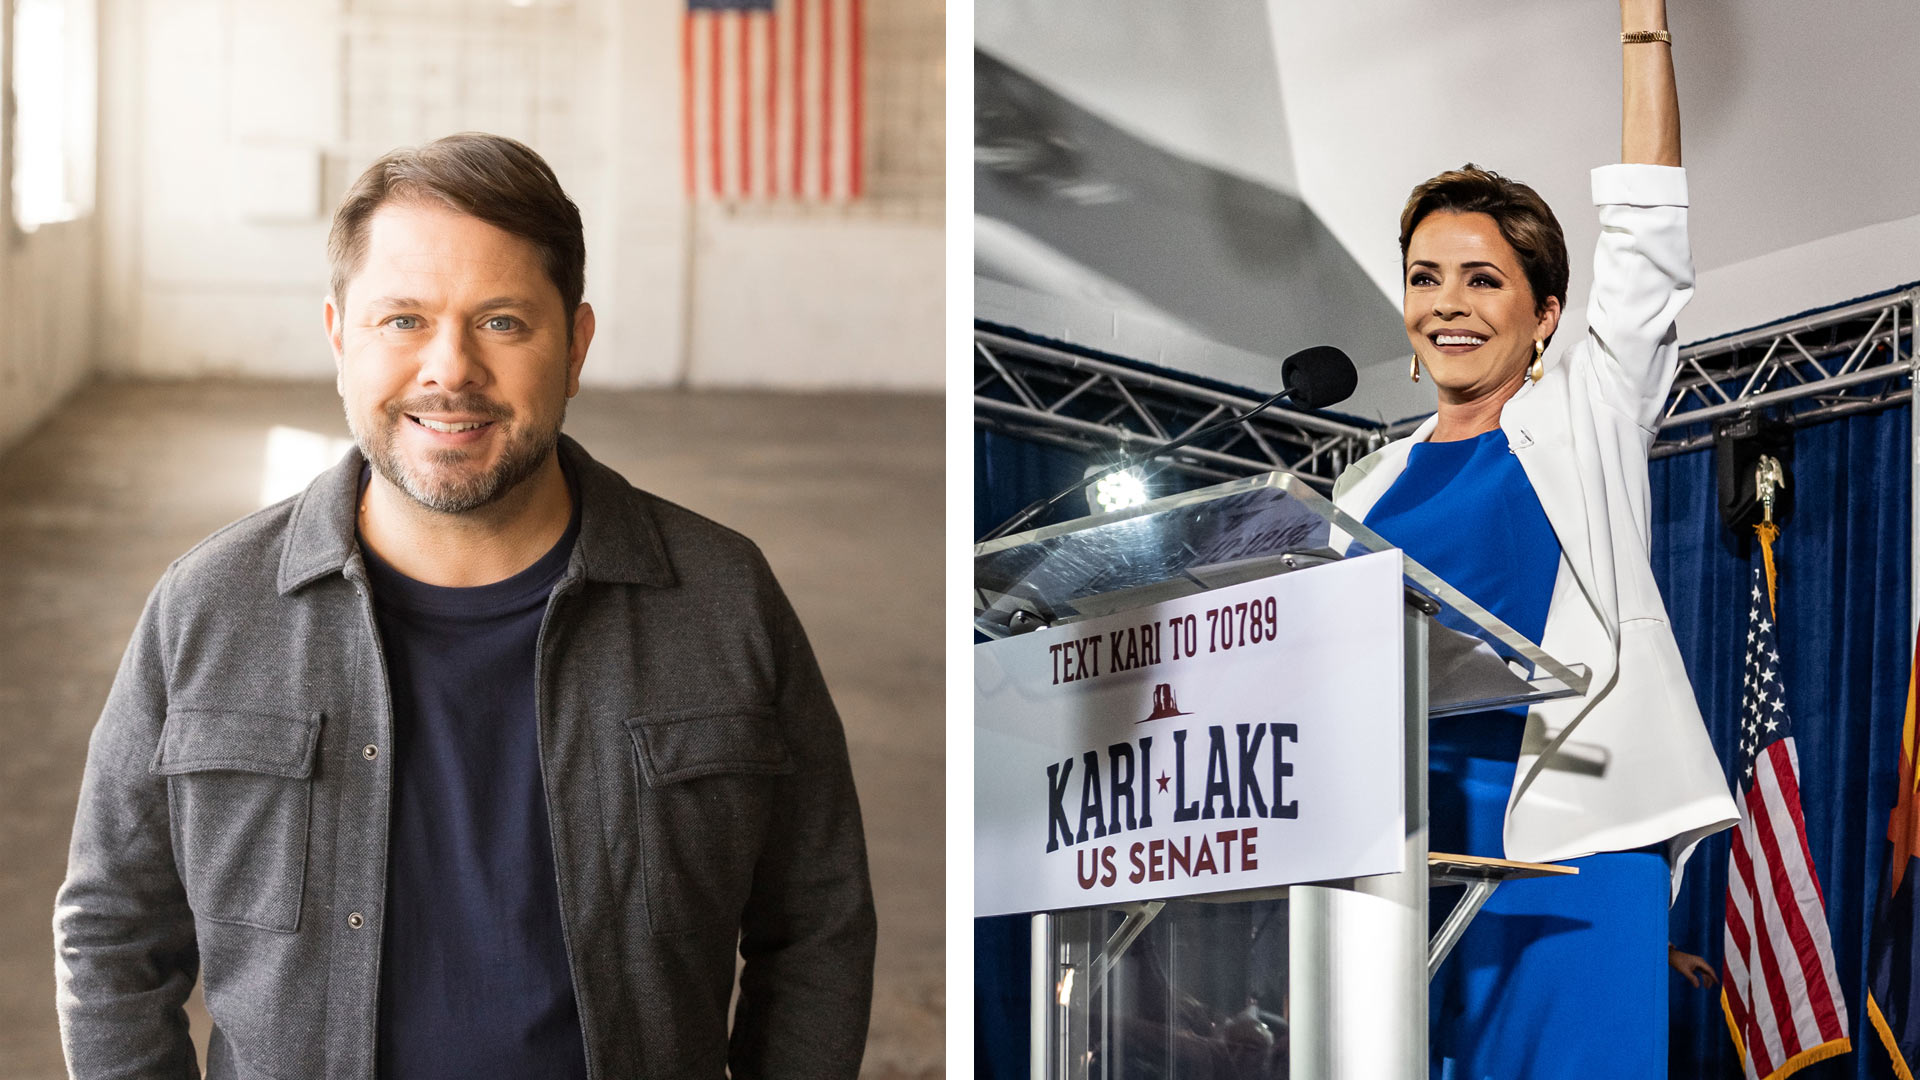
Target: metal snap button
369 751
356 920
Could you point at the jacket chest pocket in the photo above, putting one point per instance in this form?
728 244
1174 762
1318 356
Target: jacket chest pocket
240 790
708 785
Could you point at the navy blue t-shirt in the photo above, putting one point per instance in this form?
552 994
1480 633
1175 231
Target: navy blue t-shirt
474 979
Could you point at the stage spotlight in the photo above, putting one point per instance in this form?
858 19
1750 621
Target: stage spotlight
1118 491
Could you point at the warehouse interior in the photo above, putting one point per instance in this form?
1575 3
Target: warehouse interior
773 363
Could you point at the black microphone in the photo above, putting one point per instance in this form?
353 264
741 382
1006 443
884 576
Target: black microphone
1314 377
1319 377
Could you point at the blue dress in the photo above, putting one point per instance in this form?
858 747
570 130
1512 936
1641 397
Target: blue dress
1558 977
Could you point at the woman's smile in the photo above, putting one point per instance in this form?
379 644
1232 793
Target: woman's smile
1454 342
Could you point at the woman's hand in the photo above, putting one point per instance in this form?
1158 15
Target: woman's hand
1691 968
1649 103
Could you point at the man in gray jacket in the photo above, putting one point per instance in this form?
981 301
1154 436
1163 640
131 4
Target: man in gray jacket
471 760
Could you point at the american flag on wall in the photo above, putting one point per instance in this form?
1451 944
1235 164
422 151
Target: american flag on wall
1780 990
772 99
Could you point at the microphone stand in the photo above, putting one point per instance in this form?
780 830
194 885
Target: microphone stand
1035 509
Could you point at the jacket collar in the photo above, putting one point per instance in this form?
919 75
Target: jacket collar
619 540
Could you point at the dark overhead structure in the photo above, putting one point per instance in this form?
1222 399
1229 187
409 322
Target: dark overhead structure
1851 358
1051 394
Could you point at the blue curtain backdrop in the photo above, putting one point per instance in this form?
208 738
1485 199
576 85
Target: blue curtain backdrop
1844 594
1008 474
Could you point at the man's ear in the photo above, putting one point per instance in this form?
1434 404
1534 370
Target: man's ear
577 351
335 319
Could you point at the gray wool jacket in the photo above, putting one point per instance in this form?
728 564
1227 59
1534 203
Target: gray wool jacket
233 815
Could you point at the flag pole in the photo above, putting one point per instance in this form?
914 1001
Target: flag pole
1769 478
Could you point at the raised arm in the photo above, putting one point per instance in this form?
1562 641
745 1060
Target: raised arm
1649 103
1642 267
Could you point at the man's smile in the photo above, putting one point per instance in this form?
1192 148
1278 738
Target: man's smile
448 427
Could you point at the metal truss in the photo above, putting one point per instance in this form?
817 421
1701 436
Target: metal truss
1051 395
1850 359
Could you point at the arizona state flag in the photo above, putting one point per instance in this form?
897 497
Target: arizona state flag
1893 965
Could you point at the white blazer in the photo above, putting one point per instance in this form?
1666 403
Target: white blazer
1629 764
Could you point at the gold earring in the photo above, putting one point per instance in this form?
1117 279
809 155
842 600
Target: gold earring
1539 368
1413 368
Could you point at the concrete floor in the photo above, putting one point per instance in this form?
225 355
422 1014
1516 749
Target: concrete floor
843 492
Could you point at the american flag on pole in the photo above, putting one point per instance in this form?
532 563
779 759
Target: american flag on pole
1780 990
772 99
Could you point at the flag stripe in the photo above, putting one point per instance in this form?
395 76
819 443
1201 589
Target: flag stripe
1787 775
856 67
744 42
772 102
1739 918
799 93
703 105
1769 997
1733 1025
1734 975
1782 791
687 97
714 99
1764 994
826 96
1739 938
1794 940
1733 999
1786 930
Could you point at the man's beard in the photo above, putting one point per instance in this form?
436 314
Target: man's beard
444 485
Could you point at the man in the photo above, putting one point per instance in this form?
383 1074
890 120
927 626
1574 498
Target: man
471 760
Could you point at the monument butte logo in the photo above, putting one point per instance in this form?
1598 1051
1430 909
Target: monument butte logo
1163 704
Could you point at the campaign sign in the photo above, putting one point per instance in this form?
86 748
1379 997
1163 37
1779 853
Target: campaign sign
1241 738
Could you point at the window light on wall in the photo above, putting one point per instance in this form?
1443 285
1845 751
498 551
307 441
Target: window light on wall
41 188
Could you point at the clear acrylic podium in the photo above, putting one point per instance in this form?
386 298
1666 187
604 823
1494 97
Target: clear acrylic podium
1310 981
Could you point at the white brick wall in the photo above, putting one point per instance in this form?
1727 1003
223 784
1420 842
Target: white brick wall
46 300
201 275
48 310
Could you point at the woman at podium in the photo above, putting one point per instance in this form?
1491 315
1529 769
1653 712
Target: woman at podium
1527 489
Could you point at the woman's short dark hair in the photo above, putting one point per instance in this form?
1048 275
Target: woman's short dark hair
496 179
1522 215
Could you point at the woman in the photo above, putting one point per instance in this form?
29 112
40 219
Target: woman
1528 489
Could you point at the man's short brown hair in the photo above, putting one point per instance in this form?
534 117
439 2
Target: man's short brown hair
496 179
1522 215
